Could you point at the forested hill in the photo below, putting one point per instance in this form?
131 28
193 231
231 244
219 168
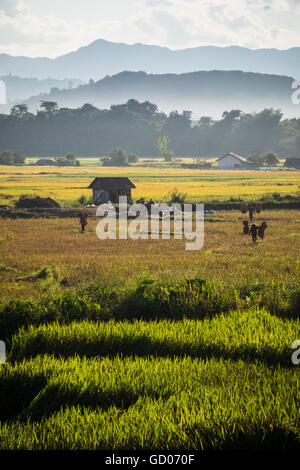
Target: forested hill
201 92
135 126
103 57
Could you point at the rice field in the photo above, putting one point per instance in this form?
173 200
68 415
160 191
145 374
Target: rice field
66 184
101 404
29 245
227 384
263 336
140 344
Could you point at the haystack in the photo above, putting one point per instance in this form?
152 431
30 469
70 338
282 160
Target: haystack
36 202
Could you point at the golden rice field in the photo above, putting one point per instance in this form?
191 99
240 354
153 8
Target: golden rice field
114 350
28 245
67 184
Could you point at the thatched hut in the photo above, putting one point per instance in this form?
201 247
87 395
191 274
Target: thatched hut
110 189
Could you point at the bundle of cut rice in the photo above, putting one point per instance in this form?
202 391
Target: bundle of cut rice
258 208
244 208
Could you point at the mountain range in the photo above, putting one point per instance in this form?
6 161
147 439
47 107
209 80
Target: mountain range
204 93
101 58
20 88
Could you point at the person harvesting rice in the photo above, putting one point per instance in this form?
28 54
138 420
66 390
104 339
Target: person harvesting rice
253 232
83 216
261 230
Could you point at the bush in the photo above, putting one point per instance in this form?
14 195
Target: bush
177 197
85 200
8 157
271 159
118 157
82 201
68 160
132 158
195 298
151 300
15 315
70 157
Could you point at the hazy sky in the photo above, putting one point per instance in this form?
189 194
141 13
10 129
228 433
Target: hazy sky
54 27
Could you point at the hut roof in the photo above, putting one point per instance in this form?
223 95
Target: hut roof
45 161
110 183
234 155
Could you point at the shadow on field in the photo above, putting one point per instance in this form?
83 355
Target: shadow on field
30 398
25 396
17 392
56 396
143 346
260 437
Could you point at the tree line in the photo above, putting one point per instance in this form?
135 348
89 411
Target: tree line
138 127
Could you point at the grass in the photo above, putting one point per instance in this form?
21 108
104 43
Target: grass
81 259
146 403
223 382
123 344
191 299
248 335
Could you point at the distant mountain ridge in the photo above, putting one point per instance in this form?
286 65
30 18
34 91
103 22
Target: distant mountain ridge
18 88
101 58
204 93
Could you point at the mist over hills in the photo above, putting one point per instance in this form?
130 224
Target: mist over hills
19 88
203 93
101 58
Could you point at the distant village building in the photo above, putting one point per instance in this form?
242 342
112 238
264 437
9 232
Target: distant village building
231 161
293 163
109 189
45 162
64 162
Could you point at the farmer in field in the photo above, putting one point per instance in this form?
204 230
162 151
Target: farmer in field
253 232
246 227
251 211
261 230
83 219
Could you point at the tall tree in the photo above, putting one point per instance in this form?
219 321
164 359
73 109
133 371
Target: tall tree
162 144
50 107
19 110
